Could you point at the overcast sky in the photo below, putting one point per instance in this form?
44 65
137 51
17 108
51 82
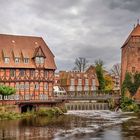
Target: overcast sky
73 28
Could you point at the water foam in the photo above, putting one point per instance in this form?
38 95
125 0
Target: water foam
98 120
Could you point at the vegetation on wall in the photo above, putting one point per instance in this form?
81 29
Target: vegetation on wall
131 84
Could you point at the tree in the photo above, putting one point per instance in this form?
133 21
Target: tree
116 70
6 91
81 64
99 71
108 83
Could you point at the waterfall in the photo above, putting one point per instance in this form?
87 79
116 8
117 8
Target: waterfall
86 106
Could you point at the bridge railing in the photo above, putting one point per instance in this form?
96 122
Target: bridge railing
88 95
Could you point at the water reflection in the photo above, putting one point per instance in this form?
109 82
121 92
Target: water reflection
74 126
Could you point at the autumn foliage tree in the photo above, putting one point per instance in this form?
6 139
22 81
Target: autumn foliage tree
109 85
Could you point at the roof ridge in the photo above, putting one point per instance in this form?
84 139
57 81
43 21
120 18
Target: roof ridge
134 32
17 35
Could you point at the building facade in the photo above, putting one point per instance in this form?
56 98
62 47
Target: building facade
27 64
74 81
130 59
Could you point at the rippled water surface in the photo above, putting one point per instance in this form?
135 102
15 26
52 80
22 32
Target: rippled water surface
75 125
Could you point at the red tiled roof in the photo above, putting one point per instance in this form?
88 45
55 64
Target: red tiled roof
24 46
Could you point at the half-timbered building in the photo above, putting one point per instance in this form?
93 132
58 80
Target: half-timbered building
27 64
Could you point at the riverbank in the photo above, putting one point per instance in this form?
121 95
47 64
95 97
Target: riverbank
6 114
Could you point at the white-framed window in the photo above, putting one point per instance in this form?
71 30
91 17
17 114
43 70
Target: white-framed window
79 81
86 88
26 60
39 60
79 88
93 82
86 81
72 81
17 59
6 60
72 88
26 86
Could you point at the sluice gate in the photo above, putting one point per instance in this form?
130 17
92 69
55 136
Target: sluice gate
86 106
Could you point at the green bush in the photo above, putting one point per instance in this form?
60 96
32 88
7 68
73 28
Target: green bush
128 104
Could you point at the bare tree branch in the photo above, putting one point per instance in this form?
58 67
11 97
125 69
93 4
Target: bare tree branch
116 69
81 64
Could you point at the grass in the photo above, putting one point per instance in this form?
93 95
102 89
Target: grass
43 111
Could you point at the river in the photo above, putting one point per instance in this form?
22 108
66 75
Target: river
75 125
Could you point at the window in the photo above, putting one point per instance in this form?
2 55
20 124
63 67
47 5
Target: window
86 81
12 73
93 82
32 73
72 81
21 86
79 81
86 88
26 86
133 69
79 88
21 72
17 60
39 60
46 86
17 86
26 60
36 86
6 60
46 73
72 88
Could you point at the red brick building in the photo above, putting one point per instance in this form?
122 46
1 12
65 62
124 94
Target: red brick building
130 60
73 81
27 64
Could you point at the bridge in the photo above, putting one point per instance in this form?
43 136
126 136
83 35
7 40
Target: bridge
72 100
89 96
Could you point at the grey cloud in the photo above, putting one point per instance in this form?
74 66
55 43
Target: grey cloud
73 28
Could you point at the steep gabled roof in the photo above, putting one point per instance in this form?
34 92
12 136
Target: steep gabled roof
24 46
135 32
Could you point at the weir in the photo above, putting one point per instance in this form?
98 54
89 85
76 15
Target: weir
86 106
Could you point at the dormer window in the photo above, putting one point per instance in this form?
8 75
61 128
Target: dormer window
17 60
6 60
26 60
39 60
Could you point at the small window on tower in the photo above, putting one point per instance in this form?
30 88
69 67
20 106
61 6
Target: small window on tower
133 69
139 49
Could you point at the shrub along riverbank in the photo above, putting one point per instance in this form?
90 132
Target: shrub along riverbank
48 112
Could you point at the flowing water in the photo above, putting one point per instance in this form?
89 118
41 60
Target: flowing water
75 125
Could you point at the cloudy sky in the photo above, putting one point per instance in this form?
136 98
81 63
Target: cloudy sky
73 28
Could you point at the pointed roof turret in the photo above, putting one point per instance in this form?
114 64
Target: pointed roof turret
135 32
